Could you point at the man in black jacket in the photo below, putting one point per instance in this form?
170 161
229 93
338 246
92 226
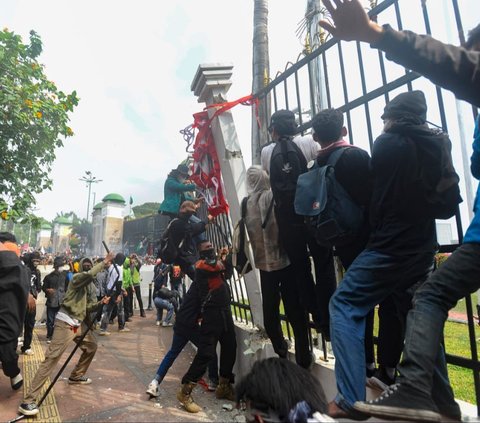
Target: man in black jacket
31 261
54 286
14 287
399 253
216 326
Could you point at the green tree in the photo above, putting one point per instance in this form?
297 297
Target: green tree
145 209
34 117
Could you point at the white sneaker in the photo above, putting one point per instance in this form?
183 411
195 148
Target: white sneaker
159 322
104 333
28 352
125 329
167 324
153 388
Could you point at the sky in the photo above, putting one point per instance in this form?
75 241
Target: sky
132 64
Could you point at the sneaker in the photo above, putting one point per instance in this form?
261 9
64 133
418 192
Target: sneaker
167 324
125 329
402 402
82 380
212 385
28 351
28 409
104 333
158 323
49 340
16 382
380 380
152 389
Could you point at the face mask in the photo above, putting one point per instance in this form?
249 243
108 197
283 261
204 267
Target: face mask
209 256
66 267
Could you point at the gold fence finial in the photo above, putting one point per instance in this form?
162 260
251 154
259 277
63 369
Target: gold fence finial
266 79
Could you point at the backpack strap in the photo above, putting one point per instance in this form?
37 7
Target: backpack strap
335 156
243 208
242 224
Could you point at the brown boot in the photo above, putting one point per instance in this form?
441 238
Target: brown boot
225 389
184 395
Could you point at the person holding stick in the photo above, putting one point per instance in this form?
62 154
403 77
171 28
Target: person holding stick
72 321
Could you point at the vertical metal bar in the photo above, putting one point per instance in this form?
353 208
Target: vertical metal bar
285 89
311 87
345 91
384 74
400 28
299 104
327 85
458 21
364 91
275 103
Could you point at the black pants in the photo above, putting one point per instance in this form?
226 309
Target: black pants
276 285
295 241
217 326
9 358
136 289
28 329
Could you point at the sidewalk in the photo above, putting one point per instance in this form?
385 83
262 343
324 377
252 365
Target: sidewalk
123 366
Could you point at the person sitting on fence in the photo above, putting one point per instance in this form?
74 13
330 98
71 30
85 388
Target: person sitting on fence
401 247
276 274
277 390
216 326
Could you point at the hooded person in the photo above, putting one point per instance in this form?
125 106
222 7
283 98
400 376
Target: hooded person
31 260
72 320
54 286
14 288
398 256
175 191
276 277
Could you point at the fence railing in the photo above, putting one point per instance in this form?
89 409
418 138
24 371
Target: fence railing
359 81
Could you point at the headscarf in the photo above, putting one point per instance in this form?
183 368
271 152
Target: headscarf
257 180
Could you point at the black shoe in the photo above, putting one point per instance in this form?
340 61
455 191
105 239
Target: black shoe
16 382
142 314
28 409
402 402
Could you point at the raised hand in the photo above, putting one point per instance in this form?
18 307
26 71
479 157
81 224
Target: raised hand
351 22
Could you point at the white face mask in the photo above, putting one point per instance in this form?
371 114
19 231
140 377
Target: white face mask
66 267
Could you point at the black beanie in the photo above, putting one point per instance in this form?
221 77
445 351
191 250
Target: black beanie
119 259
283 121
409 104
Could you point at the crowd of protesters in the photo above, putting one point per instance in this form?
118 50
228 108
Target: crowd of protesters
388 261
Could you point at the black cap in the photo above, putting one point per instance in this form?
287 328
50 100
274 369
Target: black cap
58 262
283 122
407 104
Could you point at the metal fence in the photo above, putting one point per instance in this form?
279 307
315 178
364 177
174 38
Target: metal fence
359 81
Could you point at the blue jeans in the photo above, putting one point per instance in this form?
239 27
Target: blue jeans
162 304
51 314
370 279
178 344
423 365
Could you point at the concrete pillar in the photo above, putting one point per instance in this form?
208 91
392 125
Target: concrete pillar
210 85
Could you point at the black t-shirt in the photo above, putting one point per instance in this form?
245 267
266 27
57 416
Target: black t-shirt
390 234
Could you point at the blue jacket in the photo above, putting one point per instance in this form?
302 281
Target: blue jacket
172 192
473 231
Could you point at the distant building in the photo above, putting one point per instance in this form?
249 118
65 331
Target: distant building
62 229
44 237
107 220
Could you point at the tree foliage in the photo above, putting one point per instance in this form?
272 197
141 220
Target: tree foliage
34 117
145 209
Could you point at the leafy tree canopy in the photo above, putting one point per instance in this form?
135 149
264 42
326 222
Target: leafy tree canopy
145 209
34 117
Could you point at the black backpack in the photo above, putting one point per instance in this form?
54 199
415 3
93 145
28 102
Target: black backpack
168 251
286 165
330 213
429 188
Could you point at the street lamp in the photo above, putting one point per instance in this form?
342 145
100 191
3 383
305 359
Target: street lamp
89 179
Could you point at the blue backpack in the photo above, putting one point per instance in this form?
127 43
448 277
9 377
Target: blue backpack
330 213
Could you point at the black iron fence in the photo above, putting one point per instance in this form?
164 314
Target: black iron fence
142 235
359 81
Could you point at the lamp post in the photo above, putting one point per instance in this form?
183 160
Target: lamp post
89 179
